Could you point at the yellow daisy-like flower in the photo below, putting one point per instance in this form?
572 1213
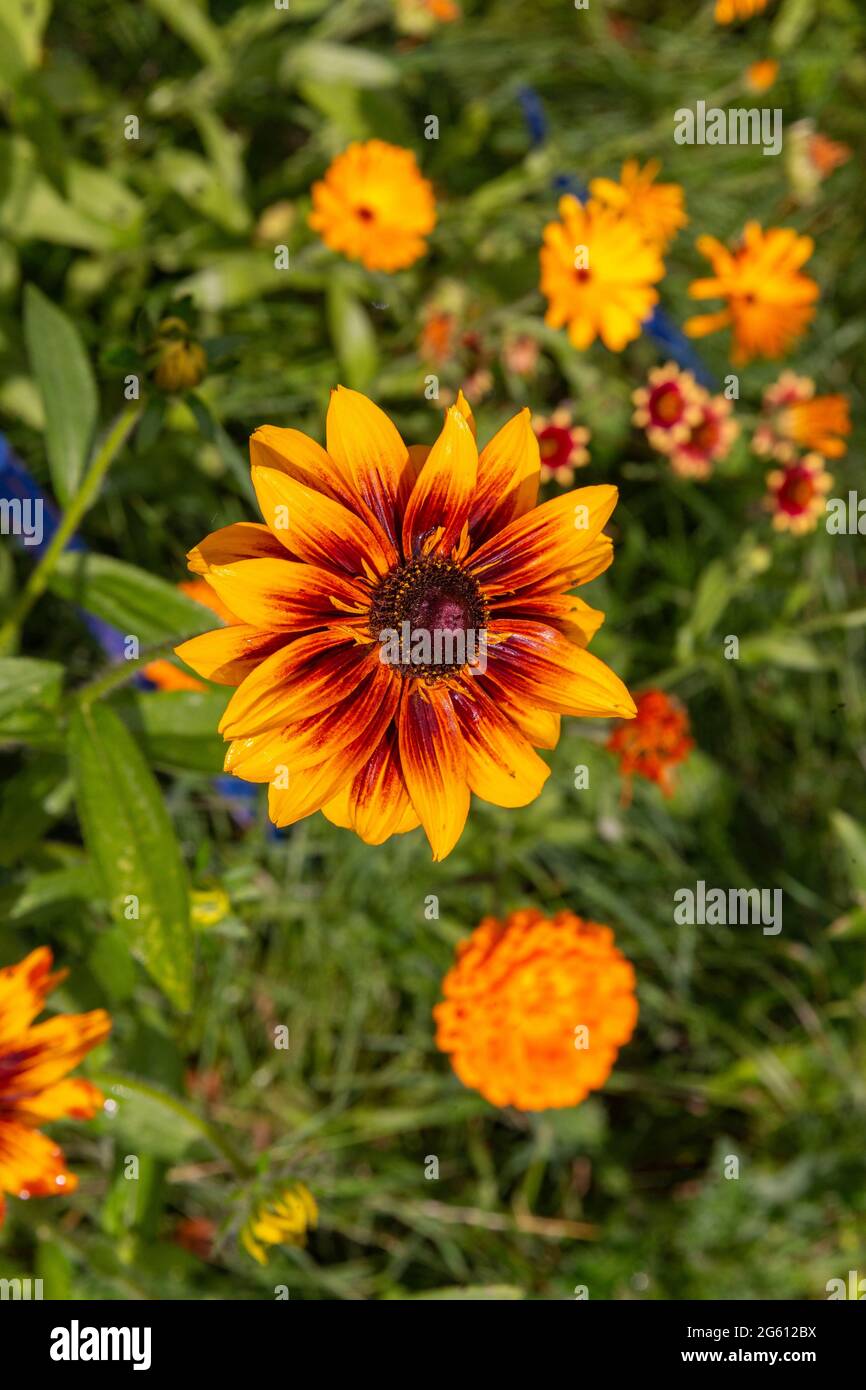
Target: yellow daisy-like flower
283 1220
597 273
374 206
769 300
406 633
536 1009
729 10
657 208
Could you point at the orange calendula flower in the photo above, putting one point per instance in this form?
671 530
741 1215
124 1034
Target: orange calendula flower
657 208
709 439
597 273
406 633
35 1087
797 494
374 206
654 743
794 419
729 10
668 406
164 674
561 445
769 300
536 1009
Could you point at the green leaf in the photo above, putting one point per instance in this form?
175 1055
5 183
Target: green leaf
26 682
352 335
140 604
67 386
852 838
129 834
714 591
152 1119
785 649
177 728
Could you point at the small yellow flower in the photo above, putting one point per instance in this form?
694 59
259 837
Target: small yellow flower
210 906
178 362
657 208
282 1220
597 273
374 206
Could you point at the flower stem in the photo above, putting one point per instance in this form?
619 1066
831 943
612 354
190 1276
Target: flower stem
69 523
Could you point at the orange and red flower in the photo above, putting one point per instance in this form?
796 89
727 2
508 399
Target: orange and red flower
794 418
770 301
374 206
370 542
164 674
561 445
797 494
536 1009
654 743
35 1087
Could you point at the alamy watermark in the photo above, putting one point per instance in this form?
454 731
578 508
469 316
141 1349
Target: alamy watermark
22 518
735 126
714 907
434 650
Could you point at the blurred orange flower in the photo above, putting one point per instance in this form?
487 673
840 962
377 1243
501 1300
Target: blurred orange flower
374 206
769 300
536 1009
794 418
729 10
367 547
797 494
164 674
597 273
34 1084
657 208
760 76
653 743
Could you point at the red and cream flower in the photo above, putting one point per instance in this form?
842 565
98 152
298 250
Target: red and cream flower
35 1086
794 419
797 494
371 538
668 406
561 445
709 439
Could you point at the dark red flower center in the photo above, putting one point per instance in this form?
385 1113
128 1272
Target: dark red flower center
554 445
366 214
428 616
666 404
796 491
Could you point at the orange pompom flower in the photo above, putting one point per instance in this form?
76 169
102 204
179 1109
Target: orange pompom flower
657 208
761 76
536 1009
374 206
797 494
729 10
349 698
34 1084
598 271
709 439
654 743
794 418
668 406
561 445
769 301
